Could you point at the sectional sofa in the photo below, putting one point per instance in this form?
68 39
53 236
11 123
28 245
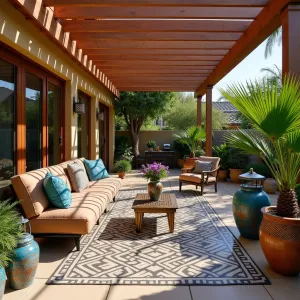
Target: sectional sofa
75 221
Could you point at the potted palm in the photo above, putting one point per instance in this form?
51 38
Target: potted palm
222 151
274 112
237 162
10 232
193 137
122 167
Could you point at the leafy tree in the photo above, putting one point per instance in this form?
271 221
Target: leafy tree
138 107
183 114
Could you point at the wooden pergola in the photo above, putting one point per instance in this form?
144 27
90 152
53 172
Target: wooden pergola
171 45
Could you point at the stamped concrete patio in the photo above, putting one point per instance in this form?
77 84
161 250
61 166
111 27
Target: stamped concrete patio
54 251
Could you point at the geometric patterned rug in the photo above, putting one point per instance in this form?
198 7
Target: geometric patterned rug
201 251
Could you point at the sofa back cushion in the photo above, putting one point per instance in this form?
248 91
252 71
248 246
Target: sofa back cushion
29 189
78 177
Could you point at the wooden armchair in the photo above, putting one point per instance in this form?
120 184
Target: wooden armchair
203 178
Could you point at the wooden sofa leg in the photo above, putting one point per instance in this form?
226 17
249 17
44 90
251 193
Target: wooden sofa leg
216 187
180 186
98 221
202 187
114 199
196 187
77 243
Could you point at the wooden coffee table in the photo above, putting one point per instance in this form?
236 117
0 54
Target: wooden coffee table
166 204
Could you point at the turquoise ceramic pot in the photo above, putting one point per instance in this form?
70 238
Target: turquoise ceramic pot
155 190
22 268
247 204
2 282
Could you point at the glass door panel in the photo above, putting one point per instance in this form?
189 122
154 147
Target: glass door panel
83 127
33 95
7 121
54 124
103 133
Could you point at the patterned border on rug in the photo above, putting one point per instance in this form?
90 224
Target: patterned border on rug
113 254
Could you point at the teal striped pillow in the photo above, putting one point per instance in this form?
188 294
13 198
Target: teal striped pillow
96 169
57 191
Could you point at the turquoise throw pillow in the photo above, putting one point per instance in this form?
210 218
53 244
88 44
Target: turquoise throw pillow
57 191
96 169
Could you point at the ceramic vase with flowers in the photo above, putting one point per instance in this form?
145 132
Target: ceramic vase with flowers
155 173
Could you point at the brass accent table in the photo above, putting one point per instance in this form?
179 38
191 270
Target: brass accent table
166 204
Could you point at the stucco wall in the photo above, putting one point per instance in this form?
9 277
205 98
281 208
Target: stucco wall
23 36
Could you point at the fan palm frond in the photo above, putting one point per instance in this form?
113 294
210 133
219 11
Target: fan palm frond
273 39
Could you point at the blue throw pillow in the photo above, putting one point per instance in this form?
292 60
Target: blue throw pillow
96 169
57 191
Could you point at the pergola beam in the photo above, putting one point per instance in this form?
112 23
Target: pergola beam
154 25
266 23
201 3
163 12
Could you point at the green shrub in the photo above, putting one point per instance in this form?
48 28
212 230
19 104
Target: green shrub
151 144
199 152
10 231
297 190
123 148
223 152
261 169
122 166
237 159
182 149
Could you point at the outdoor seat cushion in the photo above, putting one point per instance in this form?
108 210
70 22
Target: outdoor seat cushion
196 178
79 218
109 186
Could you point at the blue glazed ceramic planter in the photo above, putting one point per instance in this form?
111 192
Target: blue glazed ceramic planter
22 268
246 207
155 190
2 282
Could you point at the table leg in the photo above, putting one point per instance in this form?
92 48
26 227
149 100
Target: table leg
138 221
171 217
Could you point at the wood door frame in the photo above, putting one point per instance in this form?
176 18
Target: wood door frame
23 65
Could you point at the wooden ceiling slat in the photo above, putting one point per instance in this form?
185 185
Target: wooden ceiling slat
154 25
130 64
246 3
158 36
95 58
163 12
90 44
110 51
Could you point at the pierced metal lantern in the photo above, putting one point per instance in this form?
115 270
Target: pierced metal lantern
79 108
247 204
22 268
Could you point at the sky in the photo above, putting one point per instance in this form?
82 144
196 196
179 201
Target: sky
250 68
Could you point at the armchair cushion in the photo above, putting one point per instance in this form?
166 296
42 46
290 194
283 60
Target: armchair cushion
214 160
202 166
196 178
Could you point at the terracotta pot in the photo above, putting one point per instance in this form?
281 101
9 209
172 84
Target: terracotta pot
280 242
222 175
180 163
150 149
121 175
234 175
270 186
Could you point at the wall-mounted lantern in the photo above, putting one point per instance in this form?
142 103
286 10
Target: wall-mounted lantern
78 107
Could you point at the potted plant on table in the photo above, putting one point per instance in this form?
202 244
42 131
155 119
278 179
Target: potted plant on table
193 137
151 145
10 232
122 167
274 112
237 162
155 173
222 152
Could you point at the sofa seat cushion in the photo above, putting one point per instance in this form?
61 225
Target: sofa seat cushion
79 218
109 186
196 178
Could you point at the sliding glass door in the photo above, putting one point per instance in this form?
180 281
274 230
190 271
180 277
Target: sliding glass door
7 121
83 127
103 133
54 112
